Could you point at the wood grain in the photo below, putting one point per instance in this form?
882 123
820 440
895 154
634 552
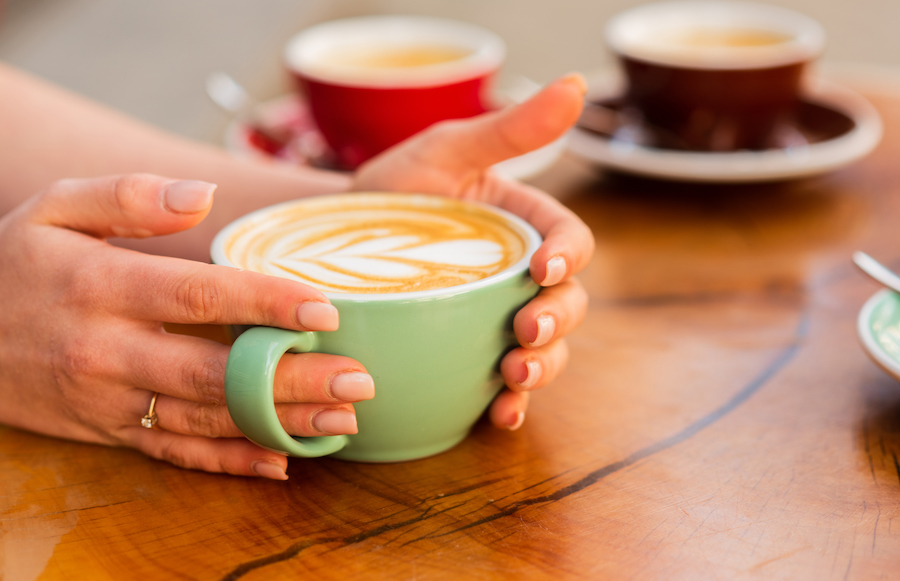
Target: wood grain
718 420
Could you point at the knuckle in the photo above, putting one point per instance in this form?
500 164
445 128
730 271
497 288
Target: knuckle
171 452
207 421
207 377
62 186
508 140
81 286
125 190
293 381
50 196
441 129
79 362
198 300
439 135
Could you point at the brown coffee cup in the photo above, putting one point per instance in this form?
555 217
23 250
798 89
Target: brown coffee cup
714 75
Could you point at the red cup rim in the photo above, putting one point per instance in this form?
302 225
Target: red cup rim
305 51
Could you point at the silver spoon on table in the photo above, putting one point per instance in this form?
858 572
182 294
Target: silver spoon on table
228 94
231 96
877 270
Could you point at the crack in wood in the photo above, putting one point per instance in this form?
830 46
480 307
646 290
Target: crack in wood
896 464
78 510
772 369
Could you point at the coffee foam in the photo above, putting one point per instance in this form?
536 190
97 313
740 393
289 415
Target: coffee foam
395 57
375 243
311 53
725 37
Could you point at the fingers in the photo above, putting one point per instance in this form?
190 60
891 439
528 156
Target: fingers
166 289
568 242
135 205
508 409
528 369
193 369
312 391
156 288
211 421
567 248
540 327
524 370
449 156
552 314
488 139
237 456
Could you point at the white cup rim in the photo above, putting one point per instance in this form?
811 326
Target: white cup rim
627 34
529 235
303 52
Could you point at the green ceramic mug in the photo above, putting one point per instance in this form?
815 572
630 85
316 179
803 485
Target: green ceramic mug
426 289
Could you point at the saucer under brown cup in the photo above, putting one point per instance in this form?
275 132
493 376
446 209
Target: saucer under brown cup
715 75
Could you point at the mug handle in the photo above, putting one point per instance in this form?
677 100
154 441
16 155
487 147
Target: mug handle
249 391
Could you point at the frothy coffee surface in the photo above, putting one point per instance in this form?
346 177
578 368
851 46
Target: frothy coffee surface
396 57
376 243
713 35
727 37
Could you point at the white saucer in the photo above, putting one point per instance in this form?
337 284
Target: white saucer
878 326
307 147
738 166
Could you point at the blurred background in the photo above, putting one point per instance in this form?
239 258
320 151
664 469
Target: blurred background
151 59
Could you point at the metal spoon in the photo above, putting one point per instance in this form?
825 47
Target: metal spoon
231 96
228 93
877 270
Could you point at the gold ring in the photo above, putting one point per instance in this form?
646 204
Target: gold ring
149 420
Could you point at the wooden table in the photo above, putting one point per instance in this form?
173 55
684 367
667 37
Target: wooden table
718 420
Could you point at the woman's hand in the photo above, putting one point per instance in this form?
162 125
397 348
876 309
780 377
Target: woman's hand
454 158
84 347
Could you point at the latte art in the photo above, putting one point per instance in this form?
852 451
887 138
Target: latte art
376 243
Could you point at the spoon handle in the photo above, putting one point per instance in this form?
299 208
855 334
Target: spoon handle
877 270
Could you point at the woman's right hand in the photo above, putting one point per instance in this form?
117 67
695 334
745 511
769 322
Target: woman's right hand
82 344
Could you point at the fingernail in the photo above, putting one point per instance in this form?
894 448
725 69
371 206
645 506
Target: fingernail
353 386
576 78
546 326
556 270
515 421
317 316
268 469
188 196
335 422
532 374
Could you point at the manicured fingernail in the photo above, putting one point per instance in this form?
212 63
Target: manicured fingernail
546 326
556 270
533 374
353 386
335 422
515 421
317 316
269 469
577 79
188 196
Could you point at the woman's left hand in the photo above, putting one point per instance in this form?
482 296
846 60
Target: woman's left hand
454 158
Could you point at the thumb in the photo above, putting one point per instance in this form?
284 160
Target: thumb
131 206
514 130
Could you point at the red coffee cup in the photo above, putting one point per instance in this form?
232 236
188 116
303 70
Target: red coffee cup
373 81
